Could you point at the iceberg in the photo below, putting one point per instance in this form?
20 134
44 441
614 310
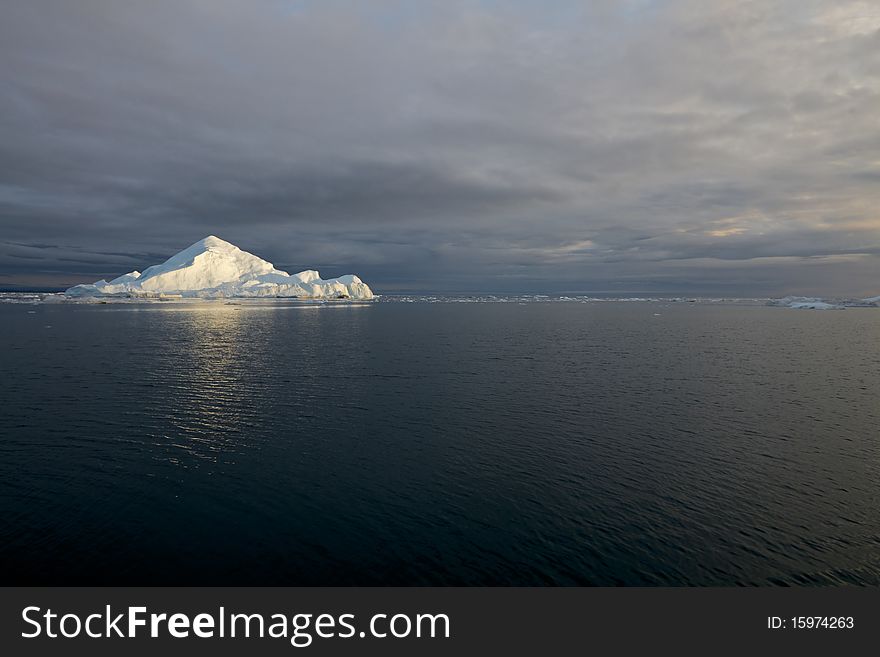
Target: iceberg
213 268
816 303
811 303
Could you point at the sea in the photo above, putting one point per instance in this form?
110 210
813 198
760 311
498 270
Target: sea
517 440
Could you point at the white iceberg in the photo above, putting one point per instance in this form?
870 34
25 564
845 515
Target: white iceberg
215 268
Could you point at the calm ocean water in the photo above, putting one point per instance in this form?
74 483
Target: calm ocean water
484 443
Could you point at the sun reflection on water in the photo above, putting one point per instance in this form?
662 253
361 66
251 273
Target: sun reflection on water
206 409
219 362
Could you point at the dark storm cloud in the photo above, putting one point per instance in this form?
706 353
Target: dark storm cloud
644 144
348 193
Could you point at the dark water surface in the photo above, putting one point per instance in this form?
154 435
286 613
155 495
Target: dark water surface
566 443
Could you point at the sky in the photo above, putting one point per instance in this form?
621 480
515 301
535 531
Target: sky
664 146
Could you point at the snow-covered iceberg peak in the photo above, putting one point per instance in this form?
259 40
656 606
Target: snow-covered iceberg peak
213 267
207 264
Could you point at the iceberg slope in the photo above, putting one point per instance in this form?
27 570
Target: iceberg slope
215 268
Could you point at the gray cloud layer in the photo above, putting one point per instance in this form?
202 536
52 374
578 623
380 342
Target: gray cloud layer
680 145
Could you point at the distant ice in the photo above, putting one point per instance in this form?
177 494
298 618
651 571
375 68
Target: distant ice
816 303
813 303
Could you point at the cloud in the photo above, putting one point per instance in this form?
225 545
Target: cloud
448 145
